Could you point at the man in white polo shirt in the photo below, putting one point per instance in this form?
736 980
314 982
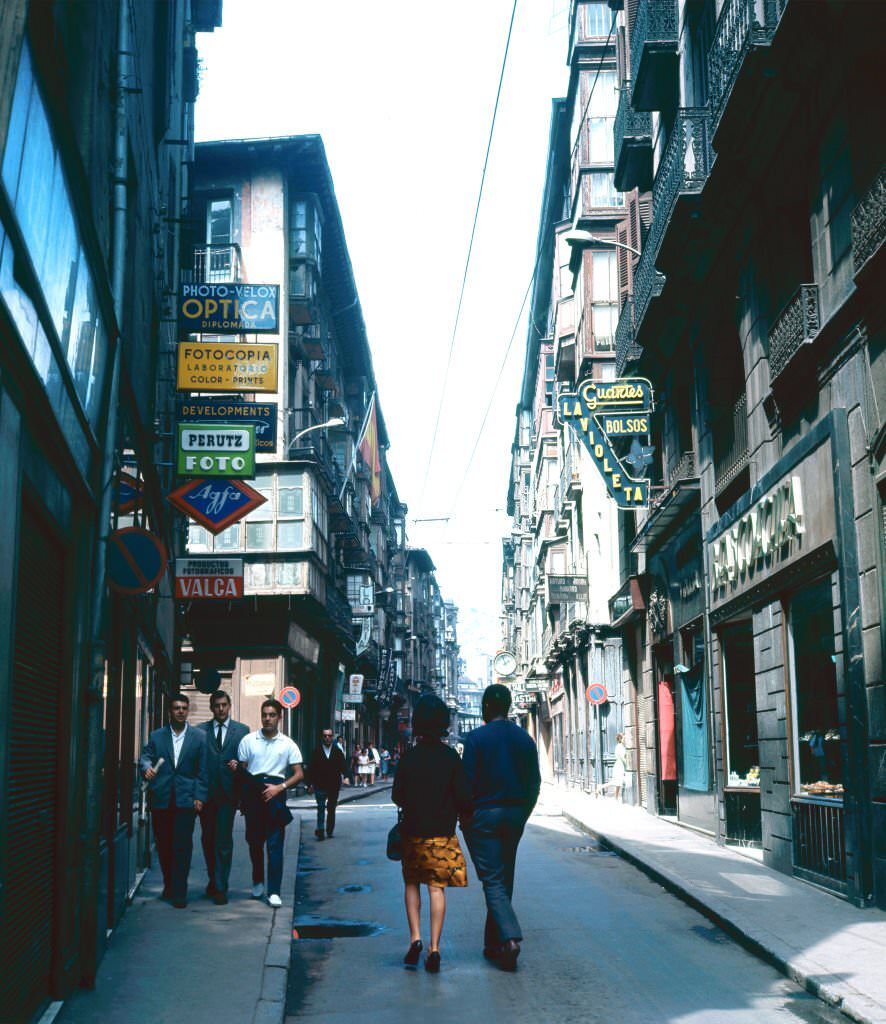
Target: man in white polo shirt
273 764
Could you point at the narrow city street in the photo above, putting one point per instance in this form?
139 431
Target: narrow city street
602 941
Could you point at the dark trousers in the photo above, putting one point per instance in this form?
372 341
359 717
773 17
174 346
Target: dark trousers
174 835
327 801
492 837
217 837
274 844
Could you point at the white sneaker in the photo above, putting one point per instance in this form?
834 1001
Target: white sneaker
258 890
274 900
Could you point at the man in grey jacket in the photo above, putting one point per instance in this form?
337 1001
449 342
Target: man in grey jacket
174 764
223 736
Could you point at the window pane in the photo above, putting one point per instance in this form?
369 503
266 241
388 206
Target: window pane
601 141
290 536
298 280
604 279
598 19
220 224
604 98
228 540
605 322
289 574
291 501
603 191
198 538
259 536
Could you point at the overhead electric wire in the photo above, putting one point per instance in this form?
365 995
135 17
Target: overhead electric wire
467 259
528 289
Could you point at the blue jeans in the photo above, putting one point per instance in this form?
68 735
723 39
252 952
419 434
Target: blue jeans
327 801
492 837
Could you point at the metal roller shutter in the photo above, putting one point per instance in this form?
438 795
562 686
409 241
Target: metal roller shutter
26 940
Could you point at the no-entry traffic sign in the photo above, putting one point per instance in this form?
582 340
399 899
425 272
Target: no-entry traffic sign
597 694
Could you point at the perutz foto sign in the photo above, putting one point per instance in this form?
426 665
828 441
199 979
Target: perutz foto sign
229 308
601 410
227 365
215 450
233 412
217 578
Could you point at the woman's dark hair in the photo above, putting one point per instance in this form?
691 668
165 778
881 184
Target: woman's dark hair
430 718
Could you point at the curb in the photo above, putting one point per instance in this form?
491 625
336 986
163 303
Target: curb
743 938
271 1007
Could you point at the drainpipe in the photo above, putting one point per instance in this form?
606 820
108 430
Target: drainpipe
98 646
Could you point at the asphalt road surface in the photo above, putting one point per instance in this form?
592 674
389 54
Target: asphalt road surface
602 942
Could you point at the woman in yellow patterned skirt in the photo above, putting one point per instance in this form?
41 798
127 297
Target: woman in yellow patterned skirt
432 791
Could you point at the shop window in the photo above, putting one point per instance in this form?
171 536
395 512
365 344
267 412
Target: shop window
740 698
817 763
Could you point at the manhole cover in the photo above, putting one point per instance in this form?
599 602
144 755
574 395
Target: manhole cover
598 850
333 928
354 888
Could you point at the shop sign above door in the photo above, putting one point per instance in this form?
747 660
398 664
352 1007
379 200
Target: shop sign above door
227 365
215 504
229 308
602 410
216 450
217 578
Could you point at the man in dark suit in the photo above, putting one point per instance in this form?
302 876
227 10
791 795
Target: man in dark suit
501 761
223 736
174 764
325 771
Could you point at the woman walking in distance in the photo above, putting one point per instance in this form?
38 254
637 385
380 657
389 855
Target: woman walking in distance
432 791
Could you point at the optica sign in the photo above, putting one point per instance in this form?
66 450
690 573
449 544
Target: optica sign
229 308
215 450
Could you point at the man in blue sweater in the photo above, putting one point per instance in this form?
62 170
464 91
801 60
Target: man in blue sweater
501 762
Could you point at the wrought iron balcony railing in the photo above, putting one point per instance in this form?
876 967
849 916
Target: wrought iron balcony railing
217 264
733 459
632 132
869 222
741 26
654 53
795 327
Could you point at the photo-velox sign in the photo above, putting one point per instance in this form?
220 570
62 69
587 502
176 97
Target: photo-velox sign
216 450
228 308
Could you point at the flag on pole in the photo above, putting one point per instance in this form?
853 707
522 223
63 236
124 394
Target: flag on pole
367 445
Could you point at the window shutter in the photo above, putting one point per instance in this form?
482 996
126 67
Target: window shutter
645 207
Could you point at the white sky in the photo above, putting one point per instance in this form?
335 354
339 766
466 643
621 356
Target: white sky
402 93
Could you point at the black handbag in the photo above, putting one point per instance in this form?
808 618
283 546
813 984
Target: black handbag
394 849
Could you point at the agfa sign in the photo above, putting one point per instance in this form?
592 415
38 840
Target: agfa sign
601 409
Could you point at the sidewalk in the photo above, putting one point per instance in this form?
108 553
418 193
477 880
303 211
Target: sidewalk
831 948
160 960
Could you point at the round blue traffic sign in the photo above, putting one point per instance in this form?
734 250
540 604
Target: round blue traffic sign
136 560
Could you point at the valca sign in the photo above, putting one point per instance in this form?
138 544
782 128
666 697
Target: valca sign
602 410
217 578
229 308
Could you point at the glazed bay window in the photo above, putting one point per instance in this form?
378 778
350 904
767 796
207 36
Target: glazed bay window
818 769
598 20
229 539
290 513
259 523
604 299
603 190
601 118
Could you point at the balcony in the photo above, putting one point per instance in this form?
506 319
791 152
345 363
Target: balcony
729 462
215 264
654 53
794 330
869 224
682 172
633 145
743 25
669 504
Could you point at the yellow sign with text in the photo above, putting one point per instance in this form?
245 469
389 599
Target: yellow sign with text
227 366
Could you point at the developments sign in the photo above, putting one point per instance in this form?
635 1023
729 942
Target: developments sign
602 410
229 308
233 412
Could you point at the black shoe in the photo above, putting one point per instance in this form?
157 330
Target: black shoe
507 957
413 953
166 894
491 952
219 898
179 904
328 835
211 890
319 834
432 962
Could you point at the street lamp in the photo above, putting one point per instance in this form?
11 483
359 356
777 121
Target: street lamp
336 421
578 237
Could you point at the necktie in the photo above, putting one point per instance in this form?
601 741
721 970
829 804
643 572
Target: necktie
218 737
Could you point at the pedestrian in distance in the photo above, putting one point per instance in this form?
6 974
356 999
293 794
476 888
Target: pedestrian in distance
619 768
374 761
501 762
432 791
174 764
223 736
385 759
326 769
355 764
363 766
273 765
